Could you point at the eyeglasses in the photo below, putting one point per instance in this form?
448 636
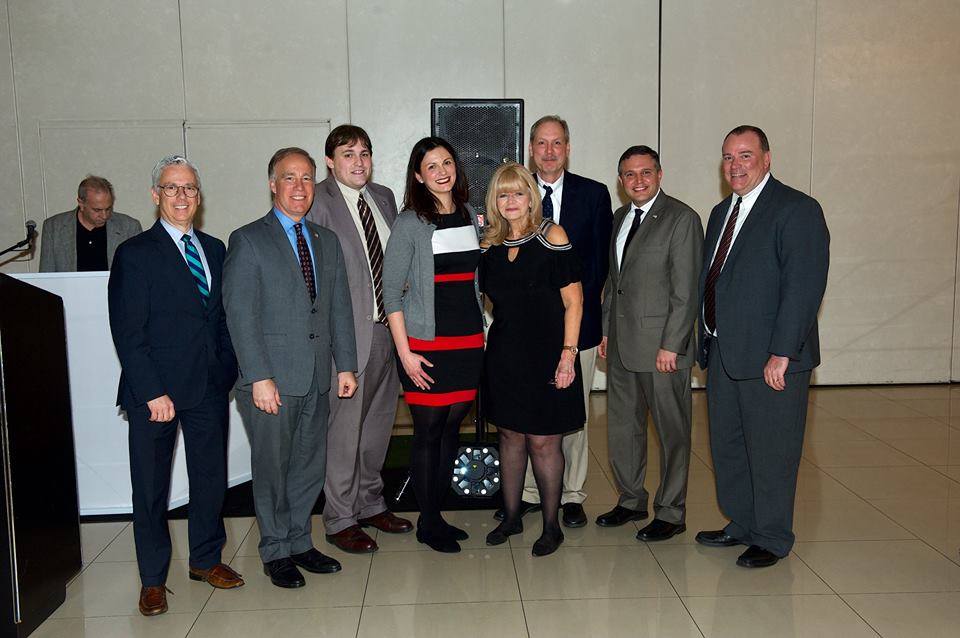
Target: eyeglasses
171 190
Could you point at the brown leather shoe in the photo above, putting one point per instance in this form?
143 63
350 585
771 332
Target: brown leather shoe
353 540
387 521
220 576
153 600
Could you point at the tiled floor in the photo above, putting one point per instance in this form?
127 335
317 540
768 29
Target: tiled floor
877 524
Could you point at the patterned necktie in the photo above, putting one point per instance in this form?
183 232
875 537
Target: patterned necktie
710 286
306 263
196 268
375 252
547 203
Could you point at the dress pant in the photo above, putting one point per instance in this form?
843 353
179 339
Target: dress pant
151 457
668 398
756 438
287 459
358 437
576 453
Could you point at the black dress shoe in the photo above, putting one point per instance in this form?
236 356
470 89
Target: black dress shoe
573 515
716 538
548 543
502 531
756 556
315 562
619 516
283 573
455 532
659 530
438 541
525 508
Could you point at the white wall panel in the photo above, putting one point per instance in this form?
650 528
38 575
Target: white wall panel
11 212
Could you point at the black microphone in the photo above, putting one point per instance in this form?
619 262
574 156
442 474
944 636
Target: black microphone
31 229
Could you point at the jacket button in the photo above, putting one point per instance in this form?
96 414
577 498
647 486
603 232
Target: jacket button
369 317
313 311
619 292
312 336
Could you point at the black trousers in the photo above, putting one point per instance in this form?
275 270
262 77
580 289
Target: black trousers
151 457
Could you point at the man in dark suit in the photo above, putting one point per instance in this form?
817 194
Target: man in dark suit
287 299
582 207
649 310
764 273
86 238
361 214
178 365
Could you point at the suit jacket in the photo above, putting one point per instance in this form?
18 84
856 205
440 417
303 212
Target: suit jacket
58 239
277 332
650 301
330 210
167 341
771 285
586 216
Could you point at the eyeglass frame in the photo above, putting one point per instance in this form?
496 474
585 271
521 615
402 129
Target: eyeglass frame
165 189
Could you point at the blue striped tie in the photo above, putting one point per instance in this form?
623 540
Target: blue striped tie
196 268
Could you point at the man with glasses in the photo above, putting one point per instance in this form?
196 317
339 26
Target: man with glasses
178 366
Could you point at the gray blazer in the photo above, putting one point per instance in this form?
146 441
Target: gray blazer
58 239
650 301
277 333
408 273
330 211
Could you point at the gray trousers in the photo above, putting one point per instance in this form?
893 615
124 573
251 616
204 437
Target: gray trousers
357 439
287 458
630 397
756 438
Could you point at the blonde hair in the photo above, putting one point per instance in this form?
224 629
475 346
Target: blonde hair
510 178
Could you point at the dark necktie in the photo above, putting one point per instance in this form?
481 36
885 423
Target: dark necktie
375 252
306 263
637 218
710 286
196 268
547 203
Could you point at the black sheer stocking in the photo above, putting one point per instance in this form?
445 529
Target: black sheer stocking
436 437
547 457
513 467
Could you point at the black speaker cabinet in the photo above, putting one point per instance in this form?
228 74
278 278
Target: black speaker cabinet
485 134
39 518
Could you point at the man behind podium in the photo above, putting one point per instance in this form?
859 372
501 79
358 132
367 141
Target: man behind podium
178 365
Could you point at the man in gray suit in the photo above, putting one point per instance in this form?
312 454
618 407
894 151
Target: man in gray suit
649 310
765 263
361 214
288 310
85 239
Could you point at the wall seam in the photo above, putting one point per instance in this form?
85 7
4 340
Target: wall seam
659 75
953 323
813 90
503 47
183 76
346 28
16 113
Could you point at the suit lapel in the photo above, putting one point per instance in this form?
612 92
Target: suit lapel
113 239
651 220
278 239
70 243
174 263
754 218
342 219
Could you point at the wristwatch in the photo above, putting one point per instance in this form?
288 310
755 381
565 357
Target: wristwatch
573 349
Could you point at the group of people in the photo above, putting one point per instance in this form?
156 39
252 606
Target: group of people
333 291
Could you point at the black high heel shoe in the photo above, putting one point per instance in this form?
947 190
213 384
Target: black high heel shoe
503 531
548 542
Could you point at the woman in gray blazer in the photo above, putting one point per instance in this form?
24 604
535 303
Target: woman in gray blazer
434 313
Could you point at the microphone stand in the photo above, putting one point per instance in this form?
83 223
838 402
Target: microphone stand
20 244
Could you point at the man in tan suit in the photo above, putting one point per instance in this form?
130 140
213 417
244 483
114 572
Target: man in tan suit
649 308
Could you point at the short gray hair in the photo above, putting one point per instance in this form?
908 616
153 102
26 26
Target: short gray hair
171 160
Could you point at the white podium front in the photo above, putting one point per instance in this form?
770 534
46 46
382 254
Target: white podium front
99 427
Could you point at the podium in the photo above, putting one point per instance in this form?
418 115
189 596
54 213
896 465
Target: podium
39 517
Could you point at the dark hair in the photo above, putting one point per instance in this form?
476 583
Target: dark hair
640 149
556 119
749 128
287 152
346 134
421 200
93 183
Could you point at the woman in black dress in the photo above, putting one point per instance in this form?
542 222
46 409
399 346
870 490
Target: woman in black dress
433 309
532 386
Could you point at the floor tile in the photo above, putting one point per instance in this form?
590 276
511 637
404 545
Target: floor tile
844 520
609 618
407 578
896 482
590 535
934 407
95 537
318 533
599 489
898 392
695 570
880 566
476 523
813 484
303 623
932 451
865 407
823 430
124 548
855 454
112 589
343 589
501 619
893 429
935 521
951 471
590 572
765 616
168 625
910 615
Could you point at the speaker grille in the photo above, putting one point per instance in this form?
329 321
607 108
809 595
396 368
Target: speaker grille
485 134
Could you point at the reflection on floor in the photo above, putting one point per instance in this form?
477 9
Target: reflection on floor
877 523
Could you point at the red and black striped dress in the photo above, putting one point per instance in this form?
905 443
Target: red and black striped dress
457 351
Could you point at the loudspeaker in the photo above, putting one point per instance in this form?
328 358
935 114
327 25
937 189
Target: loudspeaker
485 134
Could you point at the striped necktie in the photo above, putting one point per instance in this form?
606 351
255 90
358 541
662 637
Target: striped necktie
196 268
375 252
710 285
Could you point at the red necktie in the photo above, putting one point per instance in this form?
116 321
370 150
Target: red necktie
306 263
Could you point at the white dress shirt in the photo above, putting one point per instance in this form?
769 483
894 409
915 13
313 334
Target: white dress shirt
628 223
176 234
352 198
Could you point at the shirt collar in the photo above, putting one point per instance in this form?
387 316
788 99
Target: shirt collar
175 232
749 198
555 185
646 207
352 195
285 221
